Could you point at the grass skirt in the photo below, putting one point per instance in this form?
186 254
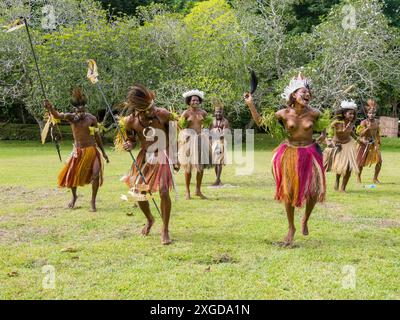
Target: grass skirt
341 158
368 154
194 150
218 152
78 171
156 170
299 174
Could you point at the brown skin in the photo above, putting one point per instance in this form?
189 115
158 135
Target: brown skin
80 122
298 120
195 115
220 124
370 133
343 134
157 118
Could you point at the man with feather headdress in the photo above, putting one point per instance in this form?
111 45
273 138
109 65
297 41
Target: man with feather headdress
85 164
148 126
218 129
369 142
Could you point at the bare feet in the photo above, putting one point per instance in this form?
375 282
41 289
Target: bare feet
146 229
71 205
93 204
217 183
376 181
187 195
288 241
336 186
199 194
304 228
358 180
165 240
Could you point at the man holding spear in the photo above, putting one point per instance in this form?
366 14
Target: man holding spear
152 171
85 164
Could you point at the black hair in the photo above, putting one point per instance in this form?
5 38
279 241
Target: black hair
188 99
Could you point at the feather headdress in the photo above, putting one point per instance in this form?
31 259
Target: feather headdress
78 98
294 85
371 106
192 93
348 105
217 104
140 98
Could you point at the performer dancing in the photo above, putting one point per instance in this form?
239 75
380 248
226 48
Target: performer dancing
297 163
340 155
194 145
369 152
218 128
85 164
148 125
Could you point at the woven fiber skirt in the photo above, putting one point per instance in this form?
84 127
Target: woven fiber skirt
78 171
299 174
341 158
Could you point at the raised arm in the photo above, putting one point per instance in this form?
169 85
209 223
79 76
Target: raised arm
57 115
248 98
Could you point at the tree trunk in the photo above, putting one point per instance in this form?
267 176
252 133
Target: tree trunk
40 123
395 104
22 114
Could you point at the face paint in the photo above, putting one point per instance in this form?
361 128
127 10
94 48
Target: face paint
194 102
303 97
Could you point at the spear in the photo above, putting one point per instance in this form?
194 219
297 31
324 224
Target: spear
92 75
17 24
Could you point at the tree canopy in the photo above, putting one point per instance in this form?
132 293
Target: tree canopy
172 46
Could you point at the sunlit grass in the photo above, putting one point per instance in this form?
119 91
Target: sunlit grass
224 247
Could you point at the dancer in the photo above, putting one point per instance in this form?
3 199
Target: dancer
297 163
369 152
85 164
194 145
218 129
340 155
148 125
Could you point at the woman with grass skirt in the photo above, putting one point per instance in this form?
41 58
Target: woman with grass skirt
297 163
194 145
340 156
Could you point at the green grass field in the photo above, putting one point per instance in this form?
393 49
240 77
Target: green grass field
224 247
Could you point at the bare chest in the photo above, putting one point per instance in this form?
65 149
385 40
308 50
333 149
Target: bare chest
295 123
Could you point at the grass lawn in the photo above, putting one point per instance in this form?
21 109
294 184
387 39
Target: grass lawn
224 247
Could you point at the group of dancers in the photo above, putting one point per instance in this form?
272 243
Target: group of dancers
298 163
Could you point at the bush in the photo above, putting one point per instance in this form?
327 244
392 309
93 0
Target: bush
30 132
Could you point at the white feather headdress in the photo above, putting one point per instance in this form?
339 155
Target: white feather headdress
295 84
192 93
348 105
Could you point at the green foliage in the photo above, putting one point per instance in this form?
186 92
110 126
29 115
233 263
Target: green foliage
173 47
323 121
207 122
183 123
272 125
129 7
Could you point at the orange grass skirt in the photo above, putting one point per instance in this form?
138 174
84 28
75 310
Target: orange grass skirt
78 171
299 174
